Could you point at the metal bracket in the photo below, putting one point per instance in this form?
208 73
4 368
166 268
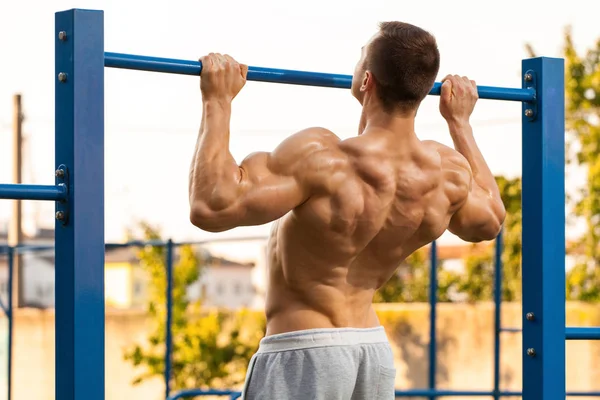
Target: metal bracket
530 110
62 206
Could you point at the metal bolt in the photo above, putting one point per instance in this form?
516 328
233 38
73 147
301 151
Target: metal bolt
530 316
531 352
60 215
528 77
529 113
62 77
62 35
59 173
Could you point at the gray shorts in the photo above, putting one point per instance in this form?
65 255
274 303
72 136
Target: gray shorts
322 364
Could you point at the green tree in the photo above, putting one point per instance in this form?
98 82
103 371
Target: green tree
210 348
477 282
410 283
582 96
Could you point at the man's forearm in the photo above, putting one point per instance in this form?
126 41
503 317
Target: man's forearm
214 167
464 142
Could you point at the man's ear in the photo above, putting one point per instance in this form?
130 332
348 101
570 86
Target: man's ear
368 82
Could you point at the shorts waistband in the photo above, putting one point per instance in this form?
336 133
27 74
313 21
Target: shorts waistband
310 338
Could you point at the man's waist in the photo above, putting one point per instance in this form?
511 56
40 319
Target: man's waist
322 337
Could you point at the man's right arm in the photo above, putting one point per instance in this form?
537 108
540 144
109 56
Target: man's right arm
481 213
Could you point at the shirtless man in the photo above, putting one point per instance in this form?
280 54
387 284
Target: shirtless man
347 213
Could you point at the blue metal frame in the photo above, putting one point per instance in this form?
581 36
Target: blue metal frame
168 325
274 75
543 242
433 289
79 231
79 195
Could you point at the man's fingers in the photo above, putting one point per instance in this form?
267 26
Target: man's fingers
446 92
244 70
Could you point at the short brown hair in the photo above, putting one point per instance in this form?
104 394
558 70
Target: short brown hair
404 60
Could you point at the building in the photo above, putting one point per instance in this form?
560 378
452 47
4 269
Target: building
222 283
234 273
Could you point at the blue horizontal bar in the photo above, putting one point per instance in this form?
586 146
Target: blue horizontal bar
199 392
583 333
399 393
185 67
32 192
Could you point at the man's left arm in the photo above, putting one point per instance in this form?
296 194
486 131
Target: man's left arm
264 187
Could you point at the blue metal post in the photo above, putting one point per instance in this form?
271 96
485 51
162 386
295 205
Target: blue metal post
79 246
9 316
169 324
497 313
543 207
432 317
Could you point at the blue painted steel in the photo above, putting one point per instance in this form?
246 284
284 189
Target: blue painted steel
9 316
433 288
184 394
169 324
79 245
23 191
497 312
274 75
441 393
543 257
495 93
582 333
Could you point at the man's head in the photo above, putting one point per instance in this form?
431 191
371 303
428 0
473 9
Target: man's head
397 68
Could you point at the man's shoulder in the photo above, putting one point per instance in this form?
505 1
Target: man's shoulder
315 134
448 155
314 141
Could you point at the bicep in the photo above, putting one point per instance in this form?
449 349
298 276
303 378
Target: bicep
471 207
268 190
474 221
271 184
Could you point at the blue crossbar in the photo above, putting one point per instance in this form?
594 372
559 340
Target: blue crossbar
583 333
399 393
33 192
273 75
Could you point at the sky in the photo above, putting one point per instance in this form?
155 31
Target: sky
152 119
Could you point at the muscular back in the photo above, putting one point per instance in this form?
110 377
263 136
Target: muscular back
375 201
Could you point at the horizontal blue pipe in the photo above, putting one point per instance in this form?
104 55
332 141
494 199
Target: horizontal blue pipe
583 333
399 393
185 67
200 392
19 191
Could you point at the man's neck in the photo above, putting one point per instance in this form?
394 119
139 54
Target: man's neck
382 122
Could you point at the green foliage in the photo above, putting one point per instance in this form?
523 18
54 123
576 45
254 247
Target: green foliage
582 84
477 282
411 282
210 348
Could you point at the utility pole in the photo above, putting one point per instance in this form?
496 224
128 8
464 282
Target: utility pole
15 233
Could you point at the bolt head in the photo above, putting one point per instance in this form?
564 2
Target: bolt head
530 316
60 215
529 113
531 352
59 173
62 35
528 77
62 77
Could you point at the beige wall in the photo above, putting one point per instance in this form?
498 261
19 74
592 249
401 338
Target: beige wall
465 350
